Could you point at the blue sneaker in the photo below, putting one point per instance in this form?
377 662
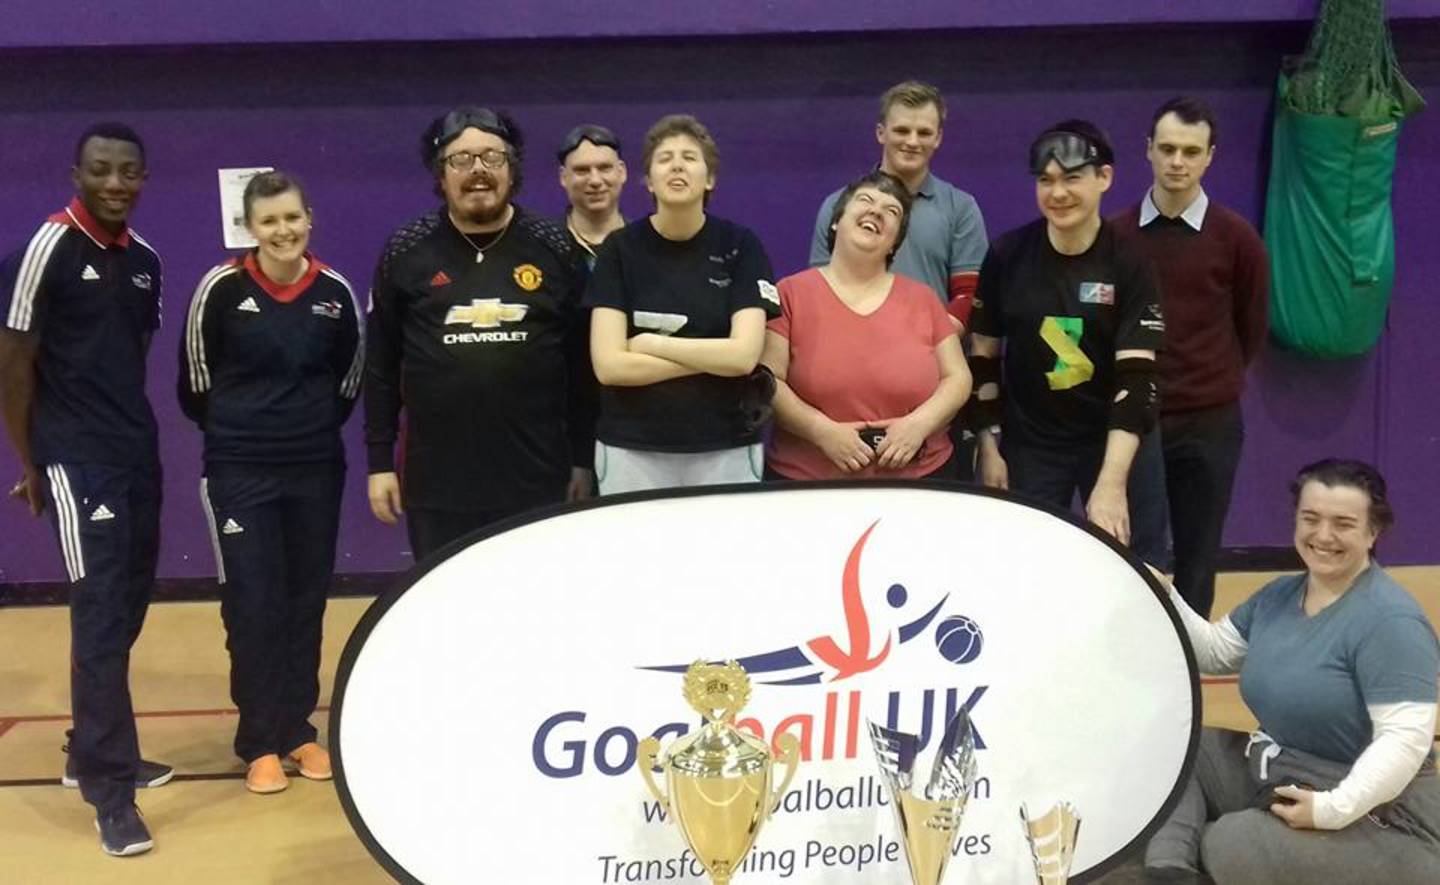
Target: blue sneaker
123 832
147 773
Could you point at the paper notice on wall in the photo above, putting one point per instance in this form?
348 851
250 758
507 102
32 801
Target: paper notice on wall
232 205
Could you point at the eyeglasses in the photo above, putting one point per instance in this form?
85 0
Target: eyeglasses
1070 150
464 161
596 135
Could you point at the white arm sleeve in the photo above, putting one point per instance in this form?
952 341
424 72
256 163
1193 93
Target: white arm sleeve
1404 734
1219 647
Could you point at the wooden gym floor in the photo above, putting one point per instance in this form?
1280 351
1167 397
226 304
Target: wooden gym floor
207 827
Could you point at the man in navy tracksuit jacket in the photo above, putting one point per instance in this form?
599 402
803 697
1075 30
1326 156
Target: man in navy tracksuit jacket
78 305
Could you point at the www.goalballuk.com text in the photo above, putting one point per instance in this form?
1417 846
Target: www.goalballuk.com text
813 796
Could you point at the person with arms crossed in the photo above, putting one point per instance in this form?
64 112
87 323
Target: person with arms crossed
270 368
1215 283
78 306
1079 314
680 302
592 175
475 328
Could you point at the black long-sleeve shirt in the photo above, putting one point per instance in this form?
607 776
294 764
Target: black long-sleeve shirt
271 372
488 354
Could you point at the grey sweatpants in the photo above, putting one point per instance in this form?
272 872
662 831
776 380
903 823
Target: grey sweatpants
633 470
1223 826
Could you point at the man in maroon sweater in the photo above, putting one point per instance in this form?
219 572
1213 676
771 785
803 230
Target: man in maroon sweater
1215 284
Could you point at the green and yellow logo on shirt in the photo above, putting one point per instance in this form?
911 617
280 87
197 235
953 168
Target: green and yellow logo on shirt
1072 366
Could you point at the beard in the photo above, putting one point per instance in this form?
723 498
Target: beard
489 213
486 216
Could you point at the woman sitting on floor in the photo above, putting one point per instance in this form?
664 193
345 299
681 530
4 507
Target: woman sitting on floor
1339 665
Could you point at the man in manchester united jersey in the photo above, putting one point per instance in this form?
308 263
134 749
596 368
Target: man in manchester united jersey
476 332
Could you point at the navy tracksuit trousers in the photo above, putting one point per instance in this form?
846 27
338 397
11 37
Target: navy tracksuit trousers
274 528
108 521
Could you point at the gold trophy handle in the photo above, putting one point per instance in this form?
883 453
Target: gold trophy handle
648 755
790 750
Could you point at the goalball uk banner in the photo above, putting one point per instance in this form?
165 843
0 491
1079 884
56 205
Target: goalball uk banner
487 712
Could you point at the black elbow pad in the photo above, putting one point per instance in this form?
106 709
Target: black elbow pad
984 413
1136 405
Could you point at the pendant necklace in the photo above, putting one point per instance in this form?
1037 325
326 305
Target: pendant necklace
480 250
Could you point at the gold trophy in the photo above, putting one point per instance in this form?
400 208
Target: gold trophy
929 824
1052 842
719 777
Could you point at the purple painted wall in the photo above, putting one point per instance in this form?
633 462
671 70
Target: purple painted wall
45 24
793 116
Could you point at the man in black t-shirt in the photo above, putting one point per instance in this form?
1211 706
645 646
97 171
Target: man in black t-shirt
476 329
1079 313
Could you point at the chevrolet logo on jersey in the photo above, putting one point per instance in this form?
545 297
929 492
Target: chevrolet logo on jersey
485 313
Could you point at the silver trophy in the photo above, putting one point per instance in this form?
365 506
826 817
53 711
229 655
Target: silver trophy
930 822
1052 838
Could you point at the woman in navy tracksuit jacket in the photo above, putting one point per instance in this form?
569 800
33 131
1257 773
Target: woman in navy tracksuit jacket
270 368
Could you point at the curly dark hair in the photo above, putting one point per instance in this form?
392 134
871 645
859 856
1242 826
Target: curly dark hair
448 127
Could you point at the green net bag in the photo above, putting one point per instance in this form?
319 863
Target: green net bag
1328 223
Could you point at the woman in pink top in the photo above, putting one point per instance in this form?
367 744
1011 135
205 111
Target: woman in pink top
868 364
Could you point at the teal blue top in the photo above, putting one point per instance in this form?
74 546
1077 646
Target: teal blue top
1309 679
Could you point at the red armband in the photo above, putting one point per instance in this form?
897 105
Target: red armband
962 295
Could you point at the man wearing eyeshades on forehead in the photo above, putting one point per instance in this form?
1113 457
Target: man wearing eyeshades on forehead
592 175
475 329
1079 311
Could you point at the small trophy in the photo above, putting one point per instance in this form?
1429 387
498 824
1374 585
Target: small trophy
930 823
719 777
1052 842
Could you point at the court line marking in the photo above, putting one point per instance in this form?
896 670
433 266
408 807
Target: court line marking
8 722
195 776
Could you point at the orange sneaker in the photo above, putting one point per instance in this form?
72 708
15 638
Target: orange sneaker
266 776
312 760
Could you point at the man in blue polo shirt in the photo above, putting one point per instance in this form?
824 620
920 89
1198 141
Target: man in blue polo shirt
78 305
945 241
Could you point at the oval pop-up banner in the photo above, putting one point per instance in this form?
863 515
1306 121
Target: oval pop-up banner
487 713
